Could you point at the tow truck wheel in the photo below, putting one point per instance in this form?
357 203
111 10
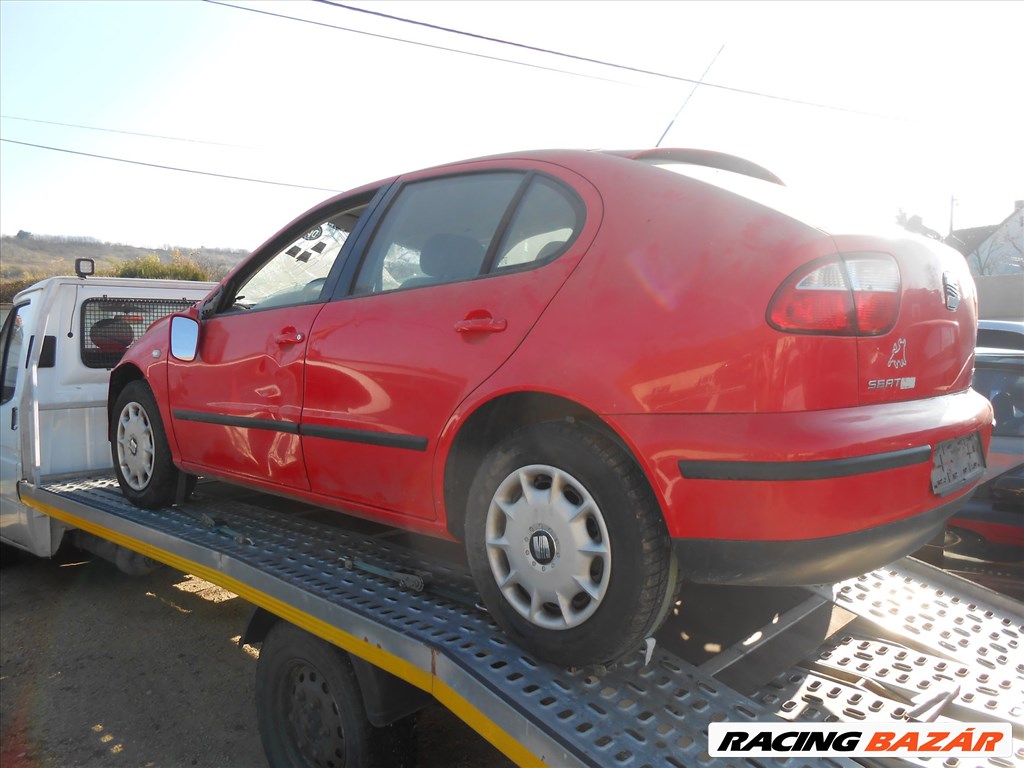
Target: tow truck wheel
310 709
567 544
138 446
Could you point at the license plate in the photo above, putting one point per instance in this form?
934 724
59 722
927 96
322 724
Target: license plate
957 463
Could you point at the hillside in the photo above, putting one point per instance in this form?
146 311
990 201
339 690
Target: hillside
26 258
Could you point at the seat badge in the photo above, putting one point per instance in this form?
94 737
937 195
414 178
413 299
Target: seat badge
951 291
898 358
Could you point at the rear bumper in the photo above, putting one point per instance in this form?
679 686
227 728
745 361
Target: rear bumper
809 561
811 476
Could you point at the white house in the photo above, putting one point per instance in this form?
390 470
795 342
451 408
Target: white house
1002 252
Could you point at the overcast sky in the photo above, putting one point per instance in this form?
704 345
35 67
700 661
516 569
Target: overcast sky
873 105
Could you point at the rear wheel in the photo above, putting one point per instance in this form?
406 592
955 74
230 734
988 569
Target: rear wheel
310 709
139 449
568 545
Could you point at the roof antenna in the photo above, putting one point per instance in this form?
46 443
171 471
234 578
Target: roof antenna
689 95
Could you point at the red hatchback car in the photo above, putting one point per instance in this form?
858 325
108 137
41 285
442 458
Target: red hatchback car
603 371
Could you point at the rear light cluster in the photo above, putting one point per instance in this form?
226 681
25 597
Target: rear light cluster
853 294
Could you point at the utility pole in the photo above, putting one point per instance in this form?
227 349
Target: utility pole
952 202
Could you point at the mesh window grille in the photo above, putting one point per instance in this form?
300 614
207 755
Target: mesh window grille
111 326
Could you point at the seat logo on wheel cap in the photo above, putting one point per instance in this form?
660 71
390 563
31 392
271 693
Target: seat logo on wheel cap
542 547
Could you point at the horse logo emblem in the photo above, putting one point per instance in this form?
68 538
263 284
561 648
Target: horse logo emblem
898 358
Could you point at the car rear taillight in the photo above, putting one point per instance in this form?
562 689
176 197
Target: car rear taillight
853 294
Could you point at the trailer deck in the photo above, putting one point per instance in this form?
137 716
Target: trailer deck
907 642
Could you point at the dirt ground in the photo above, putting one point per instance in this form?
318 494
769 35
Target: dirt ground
102 669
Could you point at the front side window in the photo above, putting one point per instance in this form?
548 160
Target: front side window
15 348
437 231
297 273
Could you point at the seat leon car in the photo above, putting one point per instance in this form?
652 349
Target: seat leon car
603 372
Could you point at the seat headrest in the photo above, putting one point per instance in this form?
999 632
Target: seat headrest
451 257
111 335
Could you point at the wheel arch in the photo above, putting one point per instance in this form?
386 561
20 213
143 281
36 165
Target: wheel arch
488 423
120 378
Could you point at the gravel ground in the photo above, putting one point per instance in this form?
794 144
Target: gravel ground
102 669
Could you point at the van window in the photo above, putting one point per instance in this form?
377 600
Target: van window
15 347
111 326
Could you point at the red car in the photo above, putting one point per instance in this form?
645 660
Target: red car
603 371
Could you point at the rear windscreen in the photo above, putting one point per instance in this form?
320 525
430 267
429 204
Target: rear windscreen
111 326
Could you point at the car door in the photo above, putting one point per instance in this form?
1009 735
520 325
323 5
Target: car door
235 408
13 351
455 274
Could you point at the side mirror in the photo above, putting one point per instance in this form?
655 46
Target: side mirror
184 338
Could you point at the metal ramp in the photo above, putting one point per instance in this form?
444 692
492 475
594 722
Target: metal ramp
907 641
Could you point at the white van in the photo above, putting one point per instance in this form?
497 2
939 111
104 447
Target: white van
58 344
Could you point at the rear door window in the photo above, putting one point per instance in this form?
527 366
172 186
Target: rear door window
545 223
437 231
457 228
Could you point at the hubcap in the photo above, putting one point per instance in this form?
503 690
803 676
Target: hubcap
313 719
136 451
548 547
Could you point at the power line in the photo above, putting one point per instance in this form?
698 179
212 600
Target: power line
128 133
588 60
411 42
172 168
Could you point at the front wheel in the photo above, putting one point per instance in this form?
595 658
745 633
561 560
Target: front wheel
139 449
567 544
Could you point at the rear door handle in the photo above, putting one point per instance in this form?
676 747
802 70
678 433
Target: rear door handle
482 325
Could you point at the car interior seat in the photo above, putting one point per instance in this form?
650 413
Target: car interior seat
111 336
446 258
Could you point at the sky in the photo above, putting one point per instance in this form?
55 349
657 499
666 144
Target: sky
869 106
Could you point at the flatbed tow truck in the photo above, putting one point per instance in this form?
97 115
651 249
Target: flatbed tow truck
907 643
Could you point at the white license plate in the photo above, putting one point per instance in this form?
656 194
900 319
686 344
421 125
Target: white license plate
957 463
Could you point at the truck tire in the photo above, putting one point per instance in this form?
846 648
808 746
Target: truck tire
567 544
139 449
310 711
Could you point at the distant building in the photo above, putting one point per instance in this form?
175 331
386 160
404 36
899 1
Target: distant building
996 249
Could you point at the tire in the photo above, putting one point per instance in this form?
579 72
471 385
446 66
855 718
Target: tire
568 546
139 450
310 709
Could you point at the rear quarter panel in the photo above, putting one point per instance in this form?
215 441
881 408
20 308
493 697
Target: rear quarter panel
666 313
